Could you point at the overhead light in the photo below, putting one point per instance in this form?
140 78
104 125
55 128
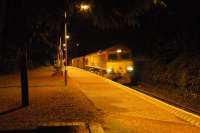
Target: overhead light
84 7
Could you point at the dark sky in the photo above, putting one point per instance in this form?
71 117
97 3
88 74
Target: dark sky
92 38
173 29
81 27
22 15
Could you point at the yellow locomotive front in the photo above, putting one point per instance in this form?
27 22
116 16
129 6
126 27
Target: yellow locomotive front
114 63
119 65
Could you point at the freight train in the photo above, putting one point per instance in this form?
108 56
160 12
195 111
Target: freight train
115 63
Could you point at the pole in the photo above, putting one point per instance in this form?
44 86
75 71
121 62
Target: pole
60 55
24 78
65 38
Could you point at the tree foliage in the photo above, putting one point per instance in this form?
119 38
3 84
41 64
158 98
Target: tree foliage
116 14
32 24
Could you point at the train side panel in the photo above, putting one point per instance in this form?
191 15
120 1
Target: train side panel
96 60
79 62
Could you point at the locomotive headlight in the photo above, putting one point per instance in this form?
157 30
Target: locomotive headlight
119 50
109 70
130 68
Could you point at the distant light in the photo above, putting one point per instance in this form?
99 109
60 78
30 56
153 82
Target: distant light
77 44
64 44
65 14
67 37
84 7
119 51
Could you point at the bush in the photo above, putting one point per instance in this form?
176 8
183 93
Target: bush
178 80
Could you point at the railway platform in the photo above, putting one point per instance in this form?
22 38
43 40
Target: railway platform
128 111
91 102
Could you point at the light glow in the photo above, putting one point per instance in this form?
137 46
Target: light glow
119 51
67 37
109 70
130 68
84 7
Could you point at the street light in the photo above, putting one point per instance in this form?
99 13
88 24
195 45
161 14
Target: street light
83 8
64 45
67 36
65 64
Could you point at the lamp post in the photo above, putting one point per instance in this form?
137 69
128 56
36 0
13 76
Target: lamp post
83 8
60 55
65 49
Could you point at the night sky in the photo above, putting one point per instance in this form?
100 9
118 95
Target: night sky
139 24
81 27
92 37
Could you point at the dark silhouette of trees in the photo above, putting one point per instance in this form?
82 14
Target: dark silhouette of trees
31 24
2 25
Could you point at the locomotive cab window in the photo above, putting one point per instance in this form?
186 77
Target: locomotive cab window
125 56
112 57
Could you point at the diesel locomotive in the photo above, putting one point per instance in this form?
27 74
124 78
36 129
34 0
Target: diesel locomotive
115 63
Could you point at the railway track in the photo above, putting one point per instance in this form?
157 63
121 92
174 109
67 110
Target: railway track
165 100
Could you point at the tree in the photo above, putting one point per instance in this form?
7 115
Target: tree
31 24
2 18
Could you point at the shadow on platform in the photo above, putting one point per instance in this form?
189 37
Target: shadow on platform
62 129
11 110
